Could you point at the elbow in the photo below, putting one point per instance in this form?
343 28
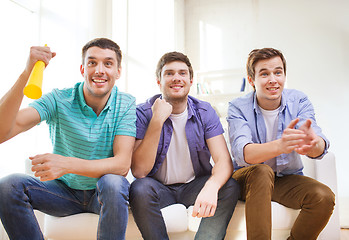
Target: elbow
137 173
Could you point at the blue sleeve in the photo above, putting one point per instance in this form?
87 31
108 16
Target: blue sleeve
240 133
306 111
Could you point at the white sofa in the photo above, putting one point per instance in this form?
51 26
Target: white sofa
182 226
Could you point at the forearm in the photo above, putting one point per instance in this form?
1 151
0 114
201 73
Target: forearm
255 153
221 172
98 168
143 158
9 106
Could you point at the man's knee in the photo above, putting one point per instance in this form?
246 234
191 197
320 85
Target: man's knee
232 188
111 184
141 188
12 182
323 196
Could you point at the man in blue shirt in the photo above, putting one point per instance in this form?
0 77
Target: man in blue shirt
269 129
91 121
176 136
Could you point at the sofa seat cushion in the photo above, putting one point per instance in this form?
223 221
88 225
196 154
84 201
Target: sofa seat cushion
282 218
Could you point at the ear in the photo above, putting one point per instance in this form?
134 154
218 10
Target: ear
82 70
250 81
118 74
191 81
158 82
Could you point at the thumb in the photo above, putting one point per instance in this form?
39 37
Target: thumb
293 123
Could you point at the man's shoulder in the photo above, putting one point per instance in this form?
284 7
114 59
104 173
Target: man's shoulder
242 101
148 103
293 95
199 104
123 96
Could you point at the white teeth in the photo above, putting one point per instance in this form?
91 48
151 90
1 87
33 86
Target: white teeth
98 80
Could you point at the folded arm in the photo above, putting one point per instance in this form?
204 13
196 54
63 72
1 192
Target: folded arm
144 154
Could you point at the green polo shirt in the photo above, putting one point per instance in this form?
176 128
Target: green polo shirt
76 130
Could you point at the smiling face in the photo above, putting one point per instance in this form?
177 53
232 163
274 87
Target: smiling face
269 82
100 71
175 82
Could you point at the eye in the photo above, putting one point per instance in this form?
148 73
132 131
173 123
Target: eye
168 74
108 64
278 73
264 74
184 73
91 63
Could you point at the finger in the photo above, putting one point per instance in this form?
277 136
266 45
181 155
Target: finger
207 211
293 123
213 211
195 210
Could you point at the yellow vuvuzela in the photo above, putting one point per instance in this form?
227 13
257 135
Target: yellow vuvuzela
33 89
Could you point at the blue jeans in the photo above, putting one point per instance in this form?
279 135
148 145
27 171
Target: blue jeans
20 194
148 196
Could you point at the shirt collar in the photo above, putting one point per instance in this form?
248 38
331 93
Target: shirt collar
81 98
257 109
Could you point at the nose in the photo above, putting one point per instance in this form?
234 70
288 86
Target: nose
272 79
99 69
177 77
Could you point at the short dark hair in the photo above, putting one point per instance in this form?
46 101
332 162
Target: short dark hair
172 57
103 43
262 54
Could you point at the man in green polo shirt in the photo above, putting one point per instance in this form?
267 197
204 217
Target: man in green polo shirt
92 128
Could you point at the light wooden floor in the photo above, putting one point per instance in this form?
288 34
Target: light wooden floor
344 234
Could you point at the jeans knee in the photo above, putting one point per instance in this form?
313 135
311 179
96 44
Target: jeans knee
140 188
232 188
12 182
113 185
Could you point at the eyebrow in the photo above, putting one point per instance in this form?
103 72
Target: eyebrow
173 70
265 69
107 58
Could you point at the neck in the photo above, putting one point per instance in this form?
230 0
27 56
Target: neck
178 106
269 105
96 103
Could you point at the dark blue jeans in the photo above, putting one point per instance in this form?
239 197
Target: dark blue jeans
148 196
20 194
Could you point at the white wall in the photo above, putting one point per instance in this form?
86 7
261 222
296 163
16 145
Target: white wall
313 35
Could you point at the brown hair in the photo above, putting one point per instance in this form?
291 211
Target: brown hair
262 54
103 43
172 57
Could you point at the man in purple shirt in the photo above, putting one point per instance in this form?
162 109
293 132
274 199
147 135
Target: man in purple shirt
269 129
176 136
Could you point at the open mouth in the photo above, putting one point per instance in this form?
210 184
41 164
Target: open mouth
176 87
273 88
98 80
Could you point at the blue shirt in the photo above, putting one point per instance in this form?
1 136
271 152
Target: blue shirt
76 130
246 125
203 123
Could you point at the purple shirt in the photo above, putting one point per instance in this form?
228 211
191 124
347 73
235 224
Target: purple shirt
203 123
